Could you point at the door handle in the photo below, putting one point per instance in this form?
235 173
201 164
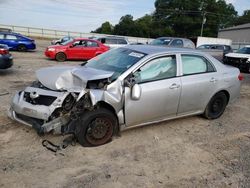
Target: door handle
174 86
213 80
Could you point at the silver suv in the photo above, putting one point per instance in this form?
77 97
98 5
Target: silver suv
114 42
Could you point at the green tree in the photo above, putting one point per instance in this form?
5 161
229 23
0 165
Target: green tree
180 18
245 18
126 27
185 17
106 28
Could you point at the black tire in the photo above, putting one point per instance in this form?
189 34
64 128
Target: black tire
95 128
216 106
21 48
61 57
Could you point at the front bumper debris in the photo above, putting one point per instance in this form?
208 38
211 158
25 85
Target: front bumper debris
34 107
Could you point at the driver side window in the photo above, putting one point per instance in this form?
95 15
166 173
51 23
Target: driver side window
80 43
157 69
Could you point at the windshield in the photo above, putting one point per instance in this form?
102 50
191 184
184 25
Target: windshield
67 42
244 50
116 60
161 42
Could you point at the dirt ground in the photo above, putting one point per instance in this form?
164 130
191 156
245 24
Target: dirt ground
189 152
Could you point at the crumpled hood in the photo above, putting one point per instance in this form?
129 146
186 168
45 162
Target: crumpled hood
71 78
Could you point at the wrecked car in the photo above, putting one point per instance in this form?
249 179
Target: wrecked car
123 88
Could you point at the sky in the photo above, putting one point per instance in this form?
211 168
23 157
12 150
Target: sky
78 15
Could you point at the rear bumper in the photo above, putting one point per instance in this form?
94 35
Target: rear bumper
6 61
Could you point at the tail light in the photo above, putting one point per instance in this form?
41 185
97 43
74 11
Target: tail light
240 77
4 51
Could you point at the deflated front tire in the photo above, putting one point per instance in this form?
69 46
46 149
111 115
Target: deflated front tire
96 127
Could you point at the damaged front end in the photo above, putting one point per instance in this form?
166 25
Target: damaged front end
60 95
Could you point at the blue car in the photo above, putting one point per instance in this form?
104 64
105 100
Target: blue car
16 41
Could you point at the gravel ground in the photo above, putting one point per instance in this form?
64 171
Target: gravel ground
188 152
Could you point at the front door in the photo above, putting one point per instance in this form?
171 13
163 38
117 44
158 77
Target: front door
160 92
76 50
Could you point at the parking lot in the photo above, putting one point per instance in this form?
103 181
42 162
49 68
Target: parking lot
188 152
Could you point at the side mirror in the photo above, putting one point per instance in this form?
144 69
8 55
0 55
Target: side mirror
71 46
136 92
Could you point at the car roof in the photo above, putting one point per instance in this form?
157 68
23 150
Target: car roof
84 39
171 38
214 45
93 40
152 49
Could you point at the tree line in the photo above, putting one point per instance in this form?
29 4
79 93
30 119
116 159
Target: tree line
180 18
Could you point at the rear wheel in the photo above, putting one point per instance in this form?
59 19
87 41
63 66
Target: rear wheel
61 57
21 48
96 127
216 106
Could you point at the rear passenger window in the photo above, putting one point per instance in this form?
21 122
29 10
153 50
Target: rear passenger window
192 64
121 41
11 37
92 44
177 43
220 47
111 41
1 36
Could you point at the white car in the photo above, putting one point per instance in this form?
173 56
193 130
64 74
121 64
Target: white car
240 59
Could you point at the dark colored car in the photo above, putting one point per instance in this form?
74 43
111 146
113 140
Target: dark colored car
16 41
226 48
78 49
173 42
239 59
62 40
6 60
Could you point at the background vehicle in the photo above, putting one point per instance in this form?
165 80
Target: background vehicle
5 30
113 42
173 42
62 40
225 48
6 60
82 49
216 50
240 59
17 41
123 88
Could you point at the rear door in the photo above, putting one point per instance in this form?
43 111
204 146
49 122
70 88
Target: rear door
160 92
90 49
199 82
76 51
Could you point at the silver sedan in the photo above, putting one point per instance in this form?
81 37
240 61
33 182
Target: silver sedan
123 88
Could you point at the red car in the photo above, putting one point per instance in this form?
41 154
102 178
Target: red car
81 48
